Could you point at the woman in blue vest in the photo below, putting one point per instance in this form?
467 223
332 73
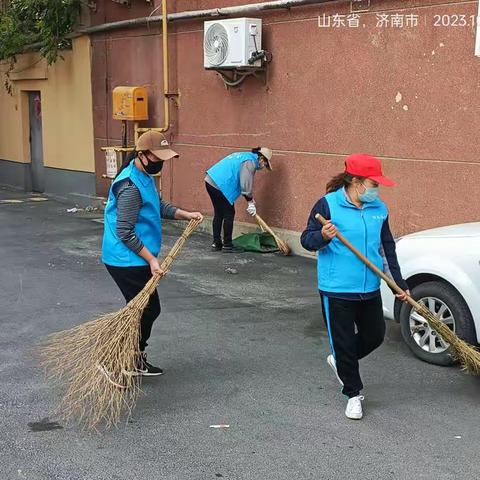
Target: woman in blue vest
349 290
226 181
133 230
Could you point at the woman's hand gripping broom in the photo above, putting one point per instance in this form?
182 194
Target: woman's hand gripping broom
467 355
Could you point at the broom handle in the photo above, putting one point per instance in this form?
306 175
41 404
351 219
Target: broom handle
389 281
151 285
262 223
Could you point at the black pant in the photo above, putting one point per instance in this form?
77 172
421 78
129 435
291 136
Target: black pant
224 214
349 347
131 281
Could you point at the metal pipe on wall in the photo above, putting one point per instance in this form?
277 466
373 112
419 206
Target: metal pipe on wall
191 15
477 23
199 14
166 87
165 18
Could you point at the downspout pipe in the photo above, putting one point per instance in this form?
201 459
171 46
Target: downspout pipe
203 14
477 42
166 85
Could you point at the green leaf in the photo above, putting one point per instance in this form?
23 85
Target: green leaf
48 22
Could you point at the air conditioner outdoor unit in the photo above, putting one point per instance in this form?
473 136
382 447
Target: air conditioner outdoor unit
232 43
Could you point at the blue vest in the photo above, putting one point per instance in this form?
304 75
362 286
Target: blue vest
226 173
148 227
339 270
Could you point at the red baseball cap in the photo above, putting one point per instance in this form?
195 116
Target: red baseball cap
363 165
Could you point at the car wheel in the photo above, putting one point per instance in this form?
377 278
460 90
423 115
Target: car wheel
445 302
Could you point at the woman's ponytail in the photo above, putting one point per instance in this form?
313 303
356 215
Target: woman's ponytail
339 181
342 180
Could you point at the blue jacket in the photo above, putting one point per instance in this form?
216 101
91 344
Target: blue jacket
148 227
340 272
226 173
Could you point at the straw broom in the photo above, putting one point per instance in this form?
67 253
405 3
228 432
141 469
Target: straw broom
283 246
467 355
93 359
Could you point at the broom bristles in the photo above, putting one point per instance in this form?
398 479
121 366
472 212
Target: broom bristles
467 355
92 358
283 246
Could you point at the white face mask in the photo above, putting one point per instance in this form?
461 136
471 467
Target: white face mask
369 195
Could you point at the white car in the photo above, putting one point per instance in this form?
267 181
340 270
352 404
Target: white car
442 269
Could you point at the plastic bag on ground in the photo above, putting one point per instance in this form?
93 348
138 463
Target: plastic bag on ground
261 242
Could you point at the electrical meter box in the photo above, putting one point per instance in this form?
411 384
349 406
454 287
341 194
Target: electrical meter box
130 103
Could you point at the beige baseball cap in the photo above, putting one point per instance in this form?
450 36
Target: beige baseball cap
157 143
268 154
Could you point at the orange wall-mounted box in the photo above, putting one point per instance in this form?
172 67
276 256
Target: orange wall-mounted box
130 103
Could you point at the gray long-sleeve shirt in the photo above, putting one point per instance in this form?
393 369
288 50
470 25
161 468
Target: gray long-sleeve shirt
247 174
129 203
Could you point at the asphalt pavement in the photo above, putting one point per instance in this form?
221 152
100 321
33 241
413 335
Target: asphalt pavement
243 344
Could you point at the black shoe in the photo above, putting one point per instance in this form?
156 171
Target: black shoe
232 249
216 247
144 369
147 369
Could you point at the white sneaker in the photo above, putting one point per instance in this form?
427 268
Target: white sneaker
354 407
333 365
